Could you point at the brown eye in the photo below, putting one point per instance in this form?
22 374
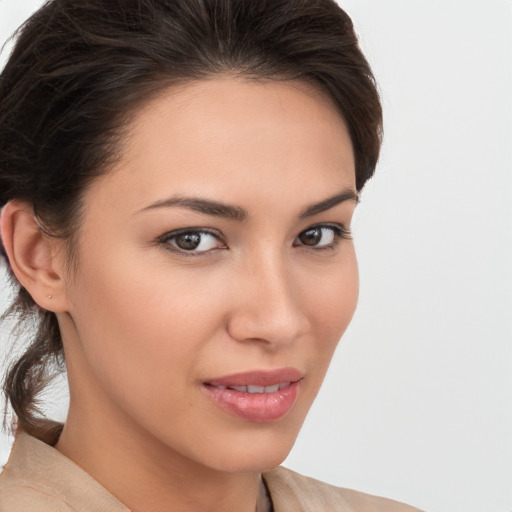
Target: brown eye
188 241
193 242
311 236
323 236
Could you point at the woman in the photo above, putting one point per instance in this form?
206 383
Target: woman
177 180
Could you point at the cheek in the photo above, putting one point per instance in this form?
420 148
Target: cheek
337 293
119 326
333 306
145 326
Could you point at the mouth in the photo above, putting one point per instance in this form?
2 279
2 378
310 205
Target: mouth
257 396
253 389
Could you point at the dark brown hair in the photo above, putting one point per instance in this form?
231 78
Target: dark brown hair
80 68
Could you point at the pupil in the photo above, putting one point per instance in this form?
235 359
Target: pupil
311 236
188 241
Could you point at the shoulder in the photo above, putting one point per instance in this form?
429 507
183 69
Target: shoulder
38 478
21 493
292 492
22 496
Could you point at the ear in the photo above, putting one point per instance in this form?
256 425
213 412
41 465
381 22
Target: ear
35 258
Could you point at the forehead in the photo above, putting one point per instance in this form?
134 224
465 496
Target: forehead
224 136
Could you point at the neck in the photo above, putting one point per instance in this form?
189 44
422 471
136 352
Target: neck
145 475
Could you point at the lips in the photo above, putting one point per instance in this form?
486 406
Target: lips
256 396
258 378
257 389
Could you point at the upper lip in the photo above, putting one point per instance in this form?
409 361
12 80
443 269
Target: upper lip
258 378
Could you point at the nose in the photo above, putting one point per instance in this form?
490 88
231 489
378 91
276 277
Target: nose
268 305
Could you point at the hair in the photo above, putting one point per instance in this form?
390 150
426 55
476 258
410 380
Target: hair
80 69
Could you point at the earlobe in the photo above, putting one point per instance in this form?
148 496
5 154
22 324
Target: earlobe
32 255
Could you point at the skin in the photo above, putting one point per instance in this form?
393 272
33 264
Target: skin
145 324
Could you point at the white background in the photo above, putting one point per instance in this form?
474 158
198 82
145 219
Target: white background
418 402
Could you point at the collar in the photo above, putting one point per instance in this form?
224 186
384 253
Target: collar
52 473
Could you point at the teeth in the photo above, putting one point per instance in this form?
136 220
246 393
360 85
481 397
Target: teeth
257 389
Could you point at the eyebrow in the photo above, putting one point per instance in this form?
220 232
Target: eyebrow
232 212
200 205
331 202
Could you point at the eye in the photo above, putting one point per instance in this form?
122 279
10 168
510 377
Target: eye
192 241
322 236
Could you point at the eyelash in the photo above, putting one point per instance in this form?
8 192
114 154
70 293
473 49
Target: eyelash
339 231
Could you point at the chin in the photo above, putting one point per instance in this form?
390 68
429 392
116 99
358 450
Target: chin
255 454
252 462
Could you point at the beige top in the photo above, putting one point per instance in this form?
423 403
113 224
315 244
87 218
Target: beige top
38 478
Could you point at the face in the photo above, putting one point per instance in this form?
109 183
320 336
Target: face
216 272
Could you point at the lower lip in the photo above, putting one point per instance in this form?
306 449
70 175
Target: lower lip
255 407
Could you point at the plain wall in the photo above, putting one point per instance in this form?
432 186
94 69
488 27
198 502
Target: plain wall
418 402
